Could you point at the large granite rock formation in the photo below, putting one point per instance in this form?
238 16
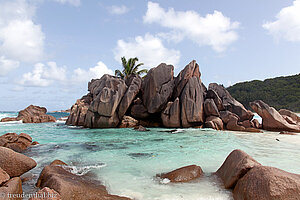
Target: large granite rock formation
230 103
271 119
171 115
192 99
32 114
158 87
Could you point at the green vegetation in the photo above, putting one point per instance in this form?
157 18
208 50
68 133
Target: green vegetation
129 67
280 92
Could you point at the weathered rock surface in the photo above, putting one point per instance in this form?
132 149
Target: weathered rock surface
214 123
236 165
184 174
138 110
107 93
271 119
4 177
8 119
128 122
211 94
32 114
191 70
210 108
290 114
13 163
134 86
16 142
11 189
71 186
230 103
192 111
171 115
263 182
79 110
158 87
46 194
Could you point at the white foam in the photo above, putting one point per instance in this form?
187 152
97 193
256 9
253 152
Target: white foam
80 171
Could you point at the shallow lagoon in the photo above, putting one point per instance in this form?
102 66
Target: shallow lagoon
126 161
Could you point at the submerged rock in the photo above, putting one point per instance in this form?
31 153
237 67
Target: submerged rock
141 128
184 174
263 182
236 165
271 119
15 164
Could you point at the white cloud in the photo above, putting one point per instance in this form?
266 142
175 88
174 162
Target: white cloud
214 30
43 76
20 38
7 65
71 2
149 49
81 75
287 25
117 10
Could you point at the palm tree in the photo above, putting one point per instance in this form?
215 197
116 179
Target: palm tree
129 68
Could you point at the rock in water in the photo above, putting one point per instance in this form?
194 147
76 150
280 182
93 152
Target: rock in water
16 142
171 115
107 93
15 164
230 103
158 87
271 119
79 110
71 186
184 174
263 182
236 165
33 114
214 123
192 112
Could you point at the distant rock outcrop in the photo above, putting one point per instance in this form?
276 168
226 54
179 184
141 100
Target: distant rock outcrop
273 120
32 114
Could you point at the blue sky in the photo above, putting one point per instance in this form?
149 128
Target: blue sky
50 49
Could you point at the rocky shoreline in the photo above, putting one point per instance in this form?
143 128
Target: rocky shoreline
239 173
162 100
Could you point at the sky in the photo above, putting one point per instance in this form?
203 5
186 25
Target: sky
51 49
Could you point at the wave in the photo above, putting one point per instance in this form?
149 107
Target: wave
12 122
80 171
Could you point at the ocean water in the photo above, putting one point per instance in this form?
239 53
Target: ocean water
127 161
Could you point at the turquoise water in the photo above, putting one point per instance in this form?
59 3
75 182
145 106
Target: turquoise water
126 161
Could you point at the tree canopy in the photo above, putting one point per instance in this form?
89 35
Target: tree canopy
130 67
279 92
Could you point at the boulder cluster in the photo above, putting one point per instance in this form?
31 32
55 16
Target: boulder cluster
32 114
18 143
273 120
246 177
160 99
